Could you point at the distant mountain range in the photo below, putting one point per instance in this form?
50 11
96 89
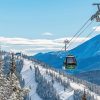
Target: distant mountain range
87 55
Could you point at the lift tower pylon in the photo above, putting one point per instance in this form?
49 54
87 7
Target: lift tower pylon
97 14
98 5
66 42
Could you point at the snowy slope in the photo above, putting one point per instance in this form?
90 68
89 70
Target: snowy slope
28 76
67 94
64 95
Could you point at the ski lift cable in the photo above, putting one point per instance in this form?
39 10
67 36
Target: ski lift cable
88 35
80 29
29 82
79 35
78 32
32 95
91 32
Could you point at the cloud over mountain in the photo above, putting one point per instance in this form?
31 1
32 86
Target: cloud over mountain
27 45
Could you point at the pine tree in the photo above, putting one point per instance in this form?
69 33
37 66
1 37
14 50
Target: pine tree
5 87
84 96
13 65
17 93
10 88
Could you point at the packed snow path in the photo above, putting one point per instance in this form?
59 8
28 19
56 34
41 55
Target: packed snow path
29 76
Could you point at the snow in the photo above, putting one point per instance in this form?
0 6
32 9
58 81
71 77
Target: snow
82 87
67 94
64 95
60 89
29 76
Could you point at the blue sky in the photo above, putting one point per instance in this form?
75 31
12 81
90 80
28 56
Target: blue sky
43 19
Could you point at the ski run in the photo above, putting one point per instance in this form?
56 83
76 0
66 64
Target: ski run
28 74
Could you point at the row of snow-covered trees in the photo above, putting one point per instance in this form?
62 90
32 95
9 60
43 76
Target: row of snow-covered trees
10 88
45 89
18 64
92 87
64 83
77 93
7 64
80 95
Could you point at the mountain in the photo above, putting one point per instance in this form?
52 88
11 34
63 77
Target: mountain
91 76
88 49
87 55
50 59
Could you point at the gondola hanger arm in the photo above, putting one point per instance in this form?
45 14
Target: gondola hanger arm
97 14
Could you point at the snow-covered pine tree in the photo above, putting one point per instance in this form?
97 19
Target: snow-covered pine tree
84 96
5 87
17 92
10 89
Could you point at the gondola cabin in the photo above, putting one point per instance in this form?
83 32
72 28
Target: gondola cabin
70 62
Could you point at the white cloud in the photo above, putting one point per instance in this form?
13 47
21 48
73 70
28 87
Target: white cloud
97 28
47 34
33 46
79 40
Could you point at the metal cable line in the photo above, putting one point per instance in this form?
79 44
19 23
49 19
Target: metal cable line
79 31
91 33
79 34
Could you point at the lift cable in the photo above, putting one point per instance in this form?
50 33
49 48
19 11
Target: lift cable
78 32
95 16
79 35
90 33
80 29
86 36
28 82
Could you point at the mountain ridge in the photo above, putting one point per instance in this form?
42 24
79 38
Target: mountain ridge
87 55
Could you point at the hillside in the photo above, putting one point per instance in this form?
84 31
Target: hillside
87 55
54 85
92 76
46 83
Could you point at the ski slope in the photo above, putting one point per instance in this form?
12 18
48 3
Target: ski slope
29 76
64 95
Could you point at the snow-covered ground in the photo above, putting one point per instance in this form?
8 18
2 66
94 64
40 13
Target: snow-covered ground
64 95
29 76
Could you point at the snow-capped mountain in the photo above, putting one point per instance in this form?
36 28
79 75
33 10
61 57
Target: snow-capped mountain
87 55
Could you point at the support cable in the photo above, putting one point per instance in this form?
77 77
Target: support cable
79 35
79 31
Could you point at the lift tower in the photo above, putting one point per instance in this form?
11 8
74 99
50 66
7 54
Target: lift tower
97 14
66 43
98 5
